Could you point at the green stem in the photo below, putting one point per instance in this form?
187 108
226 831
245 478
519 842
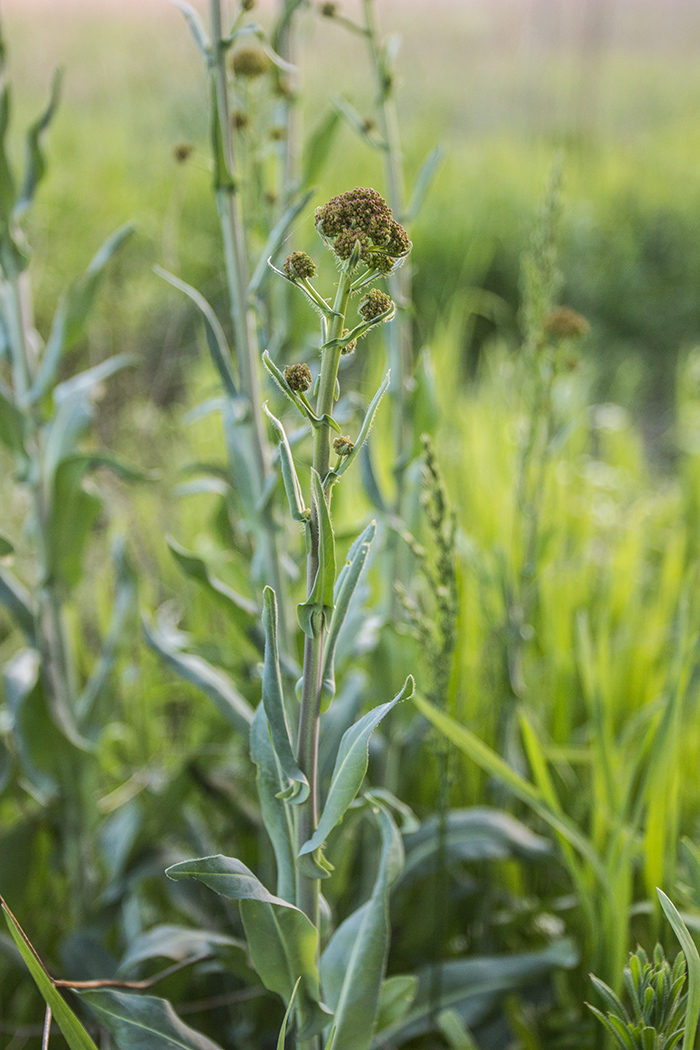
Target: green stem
307 745
245 331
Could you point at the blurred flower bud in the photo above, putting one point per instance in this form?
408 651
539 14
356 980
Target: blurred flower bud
374 304
298 377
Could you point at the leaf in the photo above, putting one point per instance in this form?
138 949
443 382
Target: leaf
72 313
692 958
199 33
273 702
495 766
283 1030
365 428
223 178
473 987
211 680
475 834
274 241
176 943
321 598
18 602
193 566
71 1028
424 179
344 589
318 147
73 514
124 608
276 815
292 487
11 425
143 1022
352 966
354 120
281 939
35 163
6 547
350 768
395 999
31 735
216 339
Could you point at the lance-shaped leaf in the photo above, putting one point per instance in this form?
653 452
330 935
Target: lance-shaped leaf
177 943
356 122
216 339
224 181
143 1022
362 328
344 589
281 939
243 609
297 401
18 602
424 178
199 33
276 815
124 607
364 429
321 598
35 163
273 702
211 680
292 486
318 147
34 736
71 1028
11 425
282 1038
353 964
72 313
274 241
692 959
350 768
73 514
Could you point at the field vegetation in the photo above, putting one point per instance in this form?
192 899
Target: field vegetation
464 581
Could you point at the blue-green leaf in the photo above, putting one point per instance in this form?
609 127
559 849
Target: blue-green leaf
71 1028
276 815
365 428
72 313
35 163
199 33
176 943
292 486
424 178
273 702
18 602
211 680
344 589
242 609
318 147
350 768
281 939
11 425
352 966
143 1022
321 598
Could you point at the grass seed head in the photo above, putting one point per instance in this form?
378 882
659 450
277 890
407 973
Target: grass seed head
298 377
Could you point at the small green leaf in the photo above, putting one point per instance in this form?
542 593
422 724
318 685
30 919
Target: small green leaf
318 147
424 179
71 1028
366 426
273 702
283 1030
216 339
350 768
223 179
344 589
18 602
72 313
199 33
11 425
35 163
281 939
143 1022
692 959
321 598
74 512
292 487
211 680
6 547
395 999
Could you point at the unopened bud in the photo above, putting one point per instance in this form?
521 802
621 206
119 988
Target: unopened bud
343 446
298 377
182 152
299 265
374 304
250 62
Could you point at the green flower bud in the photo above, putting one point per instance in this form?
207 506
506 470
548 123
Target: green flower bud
343 446
374 304
298 377
250 62
299 265
182 152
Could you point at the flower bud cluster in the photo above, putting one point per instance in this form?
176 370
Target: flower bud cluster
298 378
374 304
363 216
299 265
343 445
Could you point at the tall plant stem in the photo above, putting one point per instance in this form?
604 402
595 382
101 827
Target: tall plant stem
229 207
398 331
307 746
